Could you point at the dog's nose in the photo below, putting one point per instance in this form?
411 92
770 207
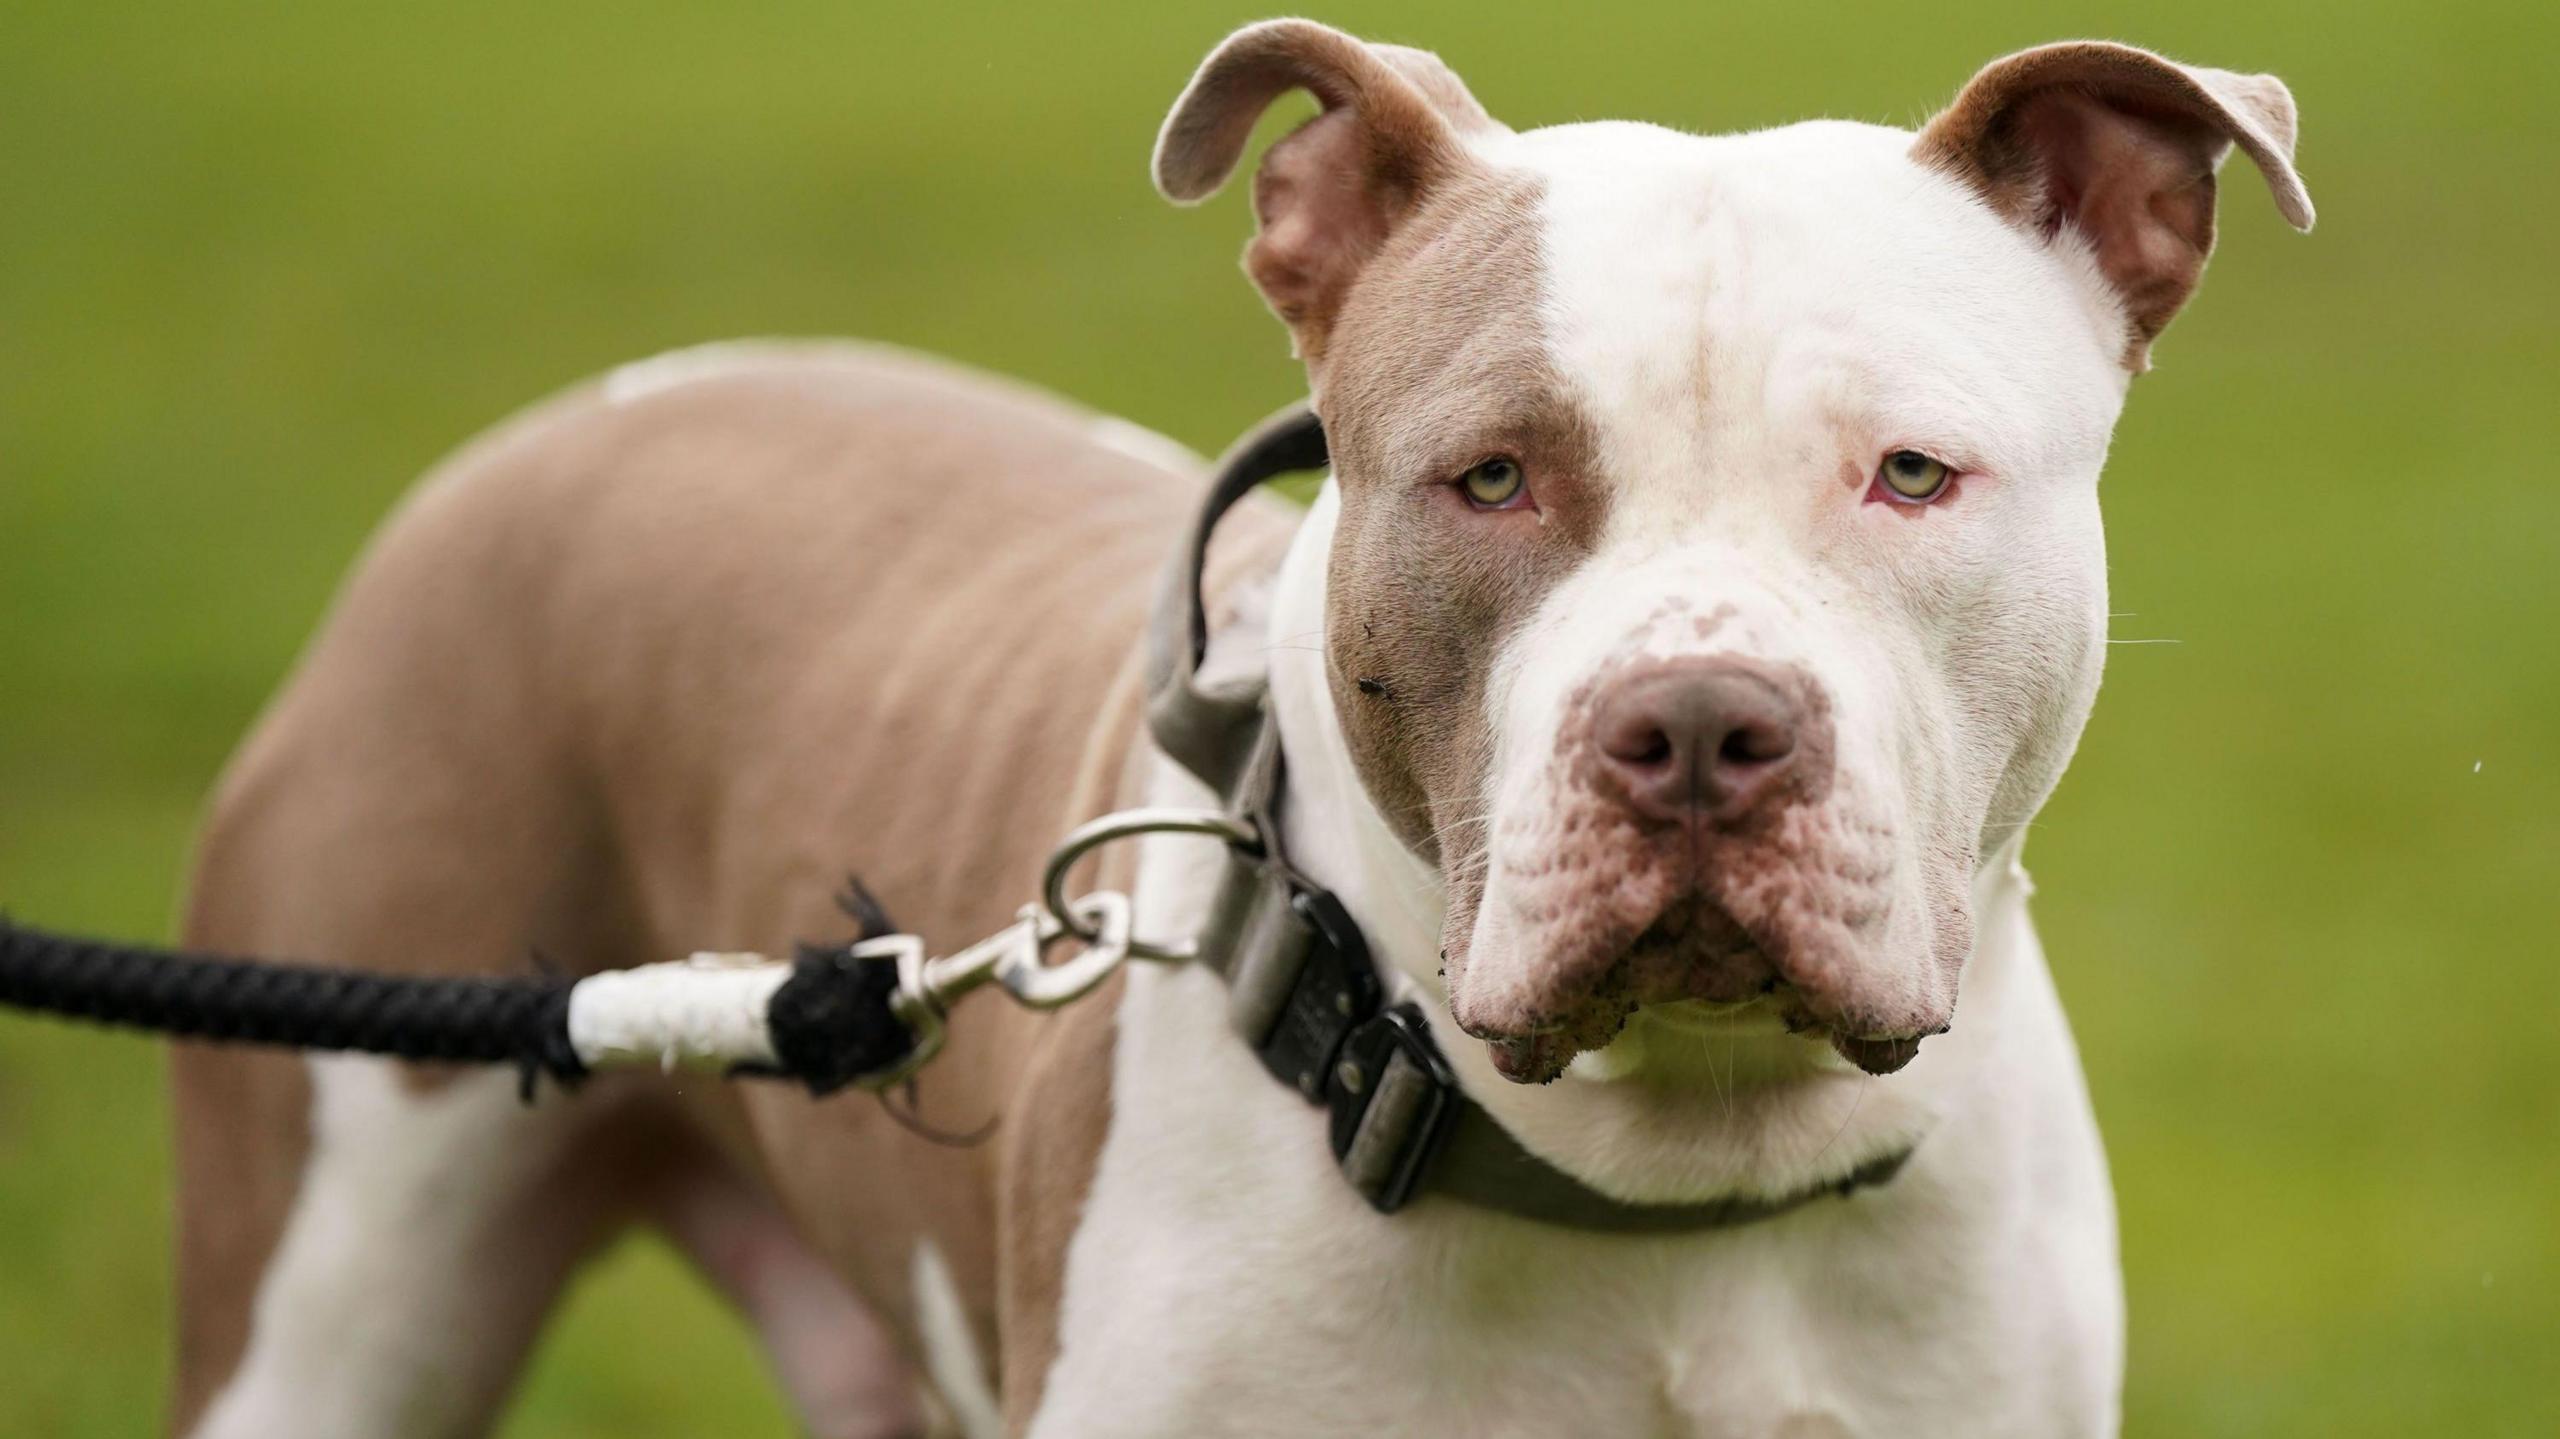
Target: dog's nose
1698 739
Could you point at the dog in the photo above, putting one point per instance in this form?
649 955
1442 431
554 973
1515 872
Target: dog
1708 591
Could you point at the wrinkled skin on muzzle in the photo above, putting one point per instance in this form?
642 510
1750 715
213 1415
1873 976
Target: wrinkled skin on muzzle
1835 896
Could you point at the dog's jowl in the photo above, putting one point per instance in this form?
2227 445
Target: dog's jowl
1708 591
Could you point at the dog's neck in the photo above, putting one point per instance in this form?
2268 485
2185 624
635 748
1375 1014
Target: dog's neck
1662 1114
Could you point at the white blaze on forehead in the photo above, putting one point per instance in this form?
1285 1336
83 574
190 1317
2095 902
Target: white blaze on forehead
1733 312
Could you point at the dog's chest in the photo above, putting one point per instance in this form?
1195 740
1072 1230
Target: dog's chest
1225 1280
1225 1275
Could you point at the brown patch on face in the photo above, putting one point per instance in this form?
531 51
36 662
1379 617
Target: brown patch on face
1440 361
1409 273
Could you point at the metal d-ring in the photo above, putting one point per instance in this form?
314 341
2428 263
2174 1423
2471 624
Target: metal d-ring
1129 824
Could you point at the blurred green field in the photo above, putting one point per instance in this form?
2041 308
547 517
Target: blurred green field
260 264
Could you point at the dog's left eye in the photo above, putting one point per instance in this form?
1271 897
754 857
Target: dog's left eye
1495 484
1912 476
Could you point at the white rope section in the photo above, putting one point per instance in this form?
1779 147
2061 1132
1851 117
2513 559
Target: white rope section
708 1011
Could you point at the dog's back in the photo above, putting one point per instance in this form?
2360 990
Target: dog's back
648 670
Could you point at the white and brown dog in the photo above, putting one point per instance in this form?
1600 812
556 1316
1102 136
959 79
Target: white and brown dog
1709 590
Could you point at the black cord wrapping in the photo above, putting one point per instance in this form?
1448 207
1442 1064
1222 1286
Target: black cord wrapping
524 1022
831 1022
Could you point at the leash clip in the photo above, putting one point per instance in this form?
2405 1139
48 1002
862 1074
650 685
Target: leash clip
1016 957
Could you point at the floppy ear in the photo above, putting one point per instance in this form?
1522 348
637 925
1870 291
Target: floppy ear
1393 125
2121 146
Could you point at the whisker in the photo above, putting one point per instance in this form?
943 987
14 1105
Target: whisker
1732 1073
1455 826
1857 1097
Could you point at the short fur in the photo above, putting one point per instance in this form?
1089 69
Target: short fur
649 669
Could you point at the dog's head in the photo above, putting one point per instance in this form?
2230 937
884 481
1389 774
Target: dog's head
1718 573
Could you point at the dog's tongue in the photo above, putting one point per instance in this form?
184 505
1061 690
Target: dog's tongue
1876 1056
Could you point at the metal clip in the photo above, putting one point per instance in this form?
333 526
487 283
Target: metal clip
1016 957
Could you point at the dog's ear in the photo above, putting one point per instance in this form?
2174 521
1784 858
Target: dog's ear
1393 125
2120 146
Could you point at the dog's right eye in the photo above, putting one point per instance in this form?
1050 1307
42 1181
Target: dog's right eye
1495 484
1914 478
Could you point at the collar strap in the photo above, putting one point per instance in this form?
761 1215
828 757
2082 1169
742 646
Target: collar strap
1211 729
1304 993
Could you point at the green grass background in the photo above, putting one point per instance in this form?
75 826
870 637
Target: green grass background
260 264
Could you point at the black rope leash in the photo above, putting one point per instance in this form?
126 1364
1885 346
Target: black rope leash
202 996
828 1024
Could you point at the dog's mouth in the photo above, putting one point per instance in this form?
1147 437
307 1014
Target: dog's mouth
1693 968
1543 1056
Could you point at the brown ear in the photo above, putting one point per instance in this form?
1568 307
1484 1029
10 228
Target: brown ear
1392 126
2121 146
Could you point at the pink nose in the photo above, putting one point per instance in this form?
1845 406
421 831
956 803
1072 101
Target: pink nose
1699 740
